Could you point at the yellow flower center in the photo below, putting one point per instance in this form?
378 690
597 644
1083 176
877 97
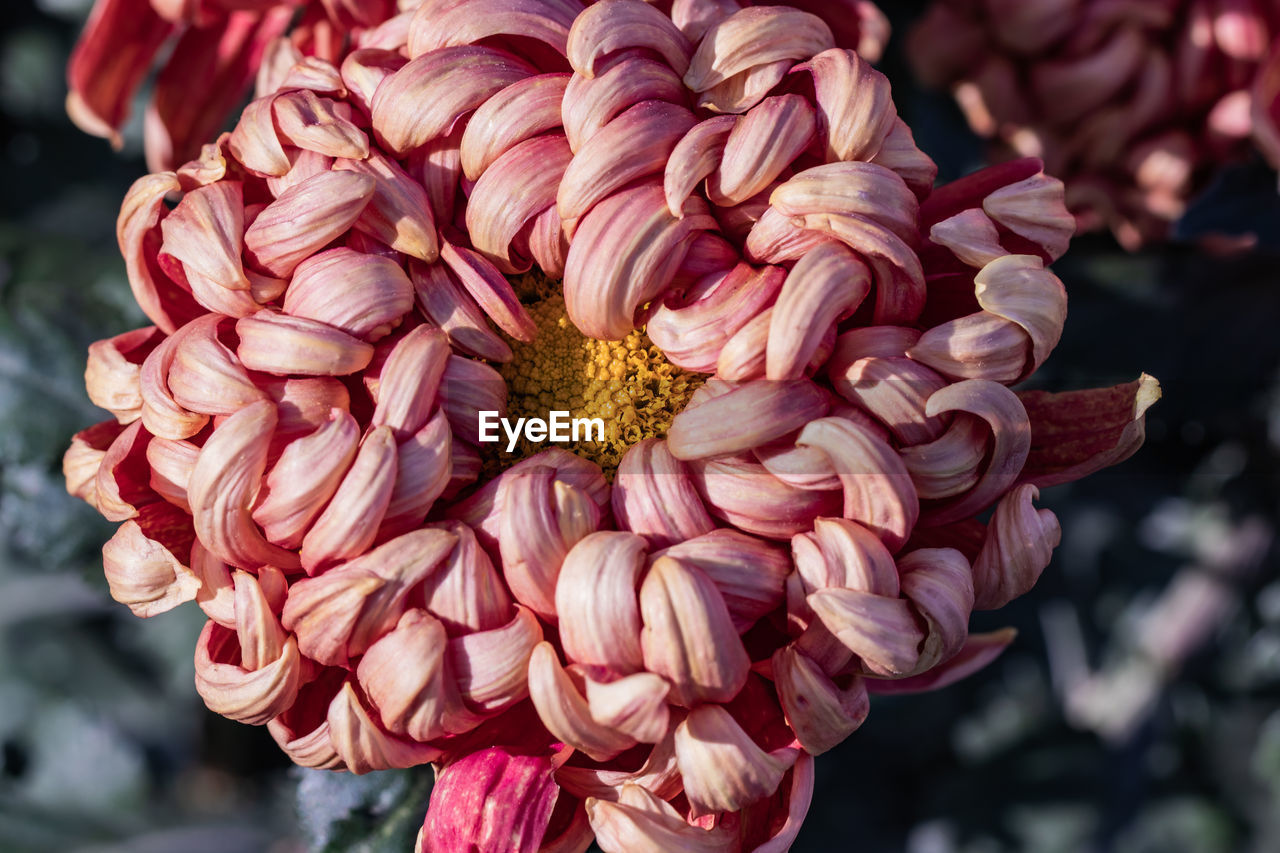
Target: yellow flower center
627 384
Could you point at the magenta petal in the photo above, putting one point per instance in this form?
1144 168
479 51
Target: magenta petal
494 801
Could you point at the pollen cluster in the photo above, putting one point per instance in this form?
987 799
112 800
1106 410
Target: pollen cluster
628 384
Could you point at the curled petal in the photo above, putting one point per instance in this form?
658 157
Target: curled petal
468 388
409 380
688 635
492 666
542 519
640 822
592 102
465 593
653 497
1076 433
1019 288
307 217
161 414
900 287
310 122
399 213
744 90
635 705
881 631
820 713
878 491
634 145
721 556
625 253
224 485
339 614
856 189
484 510
205 376
282 345
1011 442
565 713
255 143
251 696
1034 208
596 605
364 69
950 464
855 108
767 139
406 677
939 582
437 165
139 235
752 414
1019 544
438 24
363 295
755 36
893 390
693 335
422 100
491 291
971 236
362 744
521 111
825 286
349 523
122 481
980 347
424 465
204 232
302 731
217 595
448 305
694 157
613 25
113 373
516 187
171 463
722 768
304 478
839 553
753 500
145 561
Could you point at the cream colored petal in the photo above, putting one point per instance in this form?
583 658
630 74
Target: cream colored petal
613 25
224 485
688 635
348 525
722 767
596 603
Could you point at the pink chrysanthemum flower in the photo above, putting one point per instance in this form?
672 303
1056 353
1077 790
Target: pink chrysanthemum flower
803 352
1134 105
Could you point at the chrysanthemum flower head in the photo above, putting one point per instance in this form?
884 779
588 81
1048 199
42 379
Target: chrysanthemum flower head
803 351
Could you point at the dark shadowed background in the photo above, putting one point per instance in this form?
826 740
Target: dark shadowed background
1138 711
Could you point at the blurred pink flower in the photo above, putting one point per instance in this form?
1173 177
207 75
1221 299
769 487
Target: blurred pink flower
1134 105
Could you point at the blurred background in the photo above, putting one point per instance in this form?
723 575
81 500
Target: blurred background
1138 711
